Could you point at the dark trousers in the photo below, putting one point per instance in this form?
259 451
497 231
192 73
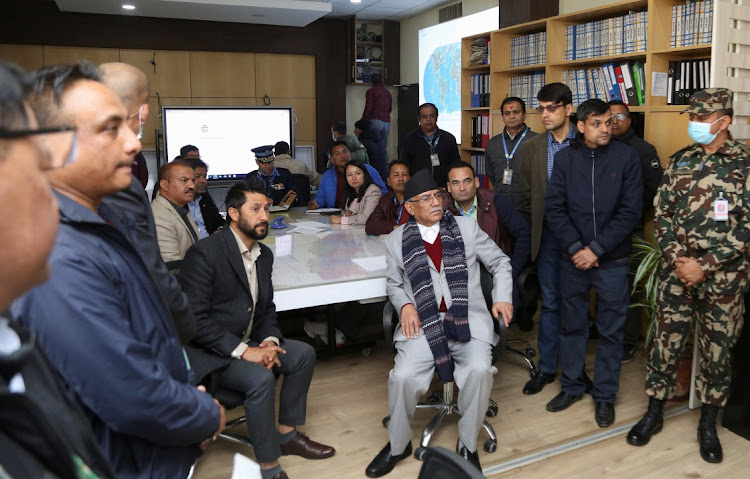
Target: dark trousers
611 285
548 269
258 384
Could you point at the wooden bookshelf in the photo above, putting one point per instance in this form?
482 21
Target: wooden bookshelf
665 128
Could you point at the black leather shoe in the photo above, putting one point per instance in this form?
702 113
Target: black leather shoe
537 382
651 423
384 462
472 457
628 353
562 401
707 438
605 414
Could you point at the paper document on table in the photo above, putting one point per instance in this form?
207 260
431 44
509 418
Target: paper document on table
245 468
284 245
324 210
311 225
376 263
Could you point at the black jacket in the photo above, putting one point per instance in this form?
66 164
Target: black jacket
211 216
415 152
594 199
41 428
650 167
278 186
214 279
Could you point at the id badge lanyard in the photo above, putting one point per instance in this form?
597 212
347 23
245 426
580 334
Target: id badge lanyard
434 158
399 208
508 173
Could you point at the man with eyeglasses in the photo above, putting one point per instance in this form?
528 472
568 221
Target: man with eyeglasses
702 209
43 433
99 319
429 147
537 160
593 203
202 207
502 151
176 230
433 283
652 174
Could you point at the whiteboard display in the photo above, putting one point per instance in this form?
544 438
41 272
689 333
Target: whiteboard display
225 136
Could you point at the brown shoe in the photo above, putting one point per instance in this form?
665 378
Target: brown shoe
301 445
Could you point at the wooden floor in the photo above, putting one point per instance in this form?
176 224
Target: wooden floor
348 399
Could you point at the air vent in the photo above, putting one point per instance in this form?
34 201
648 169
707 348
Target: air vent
450 12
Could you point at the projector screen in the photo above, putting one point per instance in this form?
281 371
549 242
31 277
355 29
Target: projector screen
440 64
225 135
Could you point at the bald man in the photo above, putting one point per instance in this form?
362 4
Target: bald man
132 86
130 210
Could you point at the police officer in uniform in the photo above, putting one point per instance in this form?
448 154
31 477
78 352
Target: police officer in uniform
278 180
702 209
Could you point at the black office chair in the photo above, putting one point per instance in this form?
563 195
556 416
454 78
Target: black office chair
440 463
444 402
302 182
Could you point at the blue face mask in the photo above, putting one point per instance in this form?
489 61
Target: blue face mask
701 132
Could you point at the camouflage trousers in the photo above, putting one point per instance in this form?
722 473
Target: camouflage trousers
718 320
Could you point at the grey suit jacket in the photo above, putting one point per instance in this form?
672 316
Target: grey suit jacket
478 248
172 233
532 186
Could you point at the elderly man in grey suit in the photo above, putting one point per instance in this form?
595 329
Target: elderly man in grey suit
176 230
433 282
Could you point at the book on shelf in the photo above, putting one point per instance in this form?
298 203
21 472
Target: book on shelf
685 77
528 50
692 23
479 91
624 81
478 162
526 87
480 130
607 37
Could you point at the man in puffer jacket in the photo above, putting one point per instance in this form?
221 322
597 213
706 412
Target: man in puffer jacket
593 203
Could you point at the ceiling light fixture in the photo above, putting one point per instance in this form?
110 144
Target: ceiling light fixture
356 1
128 6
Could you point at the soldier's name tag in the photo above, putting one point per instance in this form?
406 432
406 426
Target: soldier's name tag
435 159
721 209
507 176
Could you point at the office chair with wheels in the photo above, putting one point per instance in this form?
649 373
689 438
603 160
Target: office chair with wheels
440 463
444 402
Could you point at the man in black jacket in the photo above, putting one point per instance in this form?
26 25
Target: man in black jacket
430 147
228 280
43 432
592 205
652 174
202 208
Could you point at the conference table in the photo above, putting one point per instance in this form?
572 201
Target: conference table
317 263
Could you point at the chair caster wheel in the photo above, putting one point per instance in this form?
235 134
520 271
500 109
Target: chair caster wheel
531 352
419 453
491 411
434 398
490 446
366 351
386 421
531 374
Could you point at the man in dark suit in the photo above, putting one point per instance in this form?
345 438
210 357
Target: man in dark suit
227 278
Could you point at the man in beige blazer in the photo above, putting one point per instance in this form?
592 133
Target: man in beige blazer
176 230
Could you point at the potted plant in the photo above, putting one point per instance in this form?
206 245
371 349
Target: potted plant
648 258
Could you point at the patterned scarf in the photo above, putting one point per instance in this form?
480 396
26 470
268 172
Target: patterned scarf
455 324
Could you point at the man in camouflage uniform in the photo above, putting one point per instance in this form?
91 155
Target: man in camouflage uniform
702 210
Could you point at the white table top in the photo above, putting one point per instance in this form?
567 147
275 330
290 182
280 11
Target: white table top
328 265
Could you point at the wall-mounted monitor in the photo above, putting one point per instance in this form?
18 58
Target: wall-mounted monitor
225 135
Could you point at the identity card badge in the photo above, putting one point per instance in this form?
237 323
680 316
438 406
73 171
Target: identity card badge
435 159
721 208
507 176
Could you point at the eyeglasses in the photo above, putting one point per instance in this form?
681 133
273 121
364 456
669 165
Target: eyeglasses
620 116
53 146
426 199
549 108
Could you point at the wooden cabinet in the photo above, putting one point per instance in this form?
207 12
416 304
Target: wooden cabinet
374 47
665 128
